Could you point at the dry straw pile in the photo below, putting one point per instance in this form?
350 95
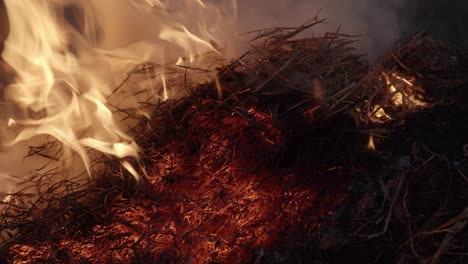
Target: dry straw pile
296 151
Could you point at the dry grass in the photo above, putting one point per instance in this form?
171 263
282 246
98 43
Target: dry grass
269 163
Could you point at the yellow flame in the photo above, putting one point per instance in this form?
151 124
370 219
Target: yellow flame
11 122
401 96
180 61
165 92
219 88
130 169
381 112
184 38
66 71
370 144
200 2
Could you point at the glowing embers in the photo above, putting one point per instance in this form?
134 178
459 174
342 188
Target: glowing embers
221 195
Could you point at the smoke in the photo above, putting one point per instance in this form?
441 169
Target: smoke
156 30
129 24
377 19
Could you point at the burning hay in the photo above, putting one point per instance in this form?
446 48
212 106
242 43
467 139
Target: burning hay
269 163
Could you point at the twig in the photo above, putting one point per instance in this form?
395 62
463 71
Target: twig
452 232
285 66
390 210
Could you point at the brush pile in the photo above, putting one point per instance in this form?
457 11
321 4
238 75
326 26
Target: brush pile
296 152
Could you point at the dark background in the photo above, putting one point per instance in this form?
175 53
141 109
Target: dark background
447 20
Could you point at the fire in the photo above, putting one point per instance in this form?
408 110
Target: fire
380 113
69 55
402 91
399 93
371 144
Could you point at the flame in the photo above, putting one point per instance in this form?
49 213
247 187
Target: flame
11 122
67 66
401 92
371 144
380 113
405 94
